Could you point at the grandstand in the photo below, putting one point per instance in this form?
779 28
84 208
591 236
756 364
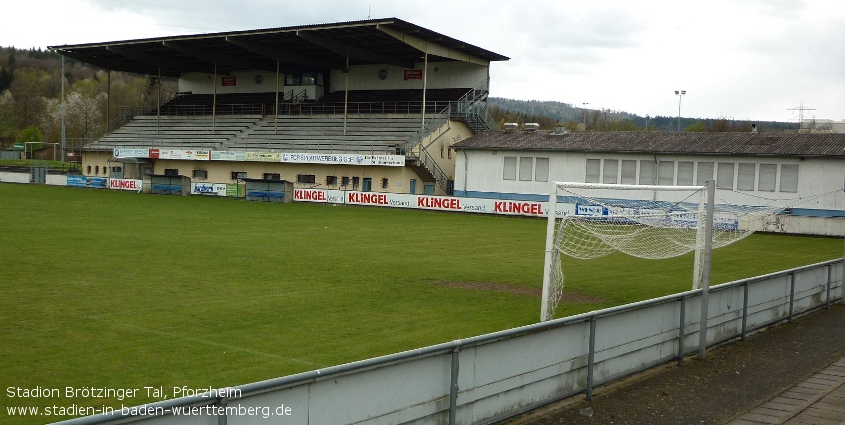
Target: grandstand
367 101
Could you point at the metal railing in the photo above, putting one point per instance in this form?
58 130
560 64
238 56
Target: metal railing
221 109
129 112
385 107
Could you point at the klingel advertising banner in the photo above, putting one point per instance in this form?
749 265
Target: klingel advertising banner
427 202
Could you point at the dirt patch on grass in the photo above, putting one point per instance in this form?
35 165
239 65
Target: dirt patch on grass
570 297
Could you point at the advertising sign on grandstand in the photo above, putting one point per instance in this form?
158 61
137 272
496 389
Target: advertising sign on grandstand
345 159
263 156
228 156
413 74
183 154
131 153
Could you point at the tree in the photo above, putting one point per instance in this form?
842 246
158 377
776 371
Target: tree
29 103
696 127
6 79
31 134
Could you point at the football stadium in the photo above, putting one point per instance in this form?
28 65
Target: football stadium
384 294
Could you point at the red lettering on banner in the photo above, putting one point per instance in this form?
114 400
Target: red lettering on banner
123 184
530 208
309 195
154 153
441 203
368 198
413 74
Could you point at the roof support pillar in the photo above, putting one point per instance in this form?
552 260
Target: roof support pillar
214 98
64 143
346 93
425 84
276 119
158 104
108 104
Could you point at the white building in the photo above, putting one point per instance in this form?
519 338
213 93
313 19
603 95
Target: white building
803 173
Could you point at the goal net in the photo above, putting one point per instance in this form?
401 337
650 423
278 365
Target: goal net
651 222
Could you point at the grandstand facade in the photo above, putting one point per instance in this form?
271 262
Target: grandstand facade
371 105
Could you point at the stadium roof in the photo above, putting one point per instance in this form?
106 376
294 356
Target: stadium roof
312 47
766 144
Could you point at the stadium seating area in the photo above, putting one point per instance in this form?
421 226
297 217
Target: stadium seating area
376 122
360 133
372 133
192 132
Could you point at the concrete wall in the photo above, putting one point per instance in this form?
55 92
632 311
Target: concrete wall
244 82
441 75
8 177
361 77
479 173
491 377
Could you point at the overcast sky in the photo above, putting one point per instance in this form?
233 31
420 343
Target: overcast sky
740 59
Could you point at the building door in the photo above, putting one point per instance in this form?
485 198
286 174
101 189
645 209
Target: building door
428 189
413 187
367 185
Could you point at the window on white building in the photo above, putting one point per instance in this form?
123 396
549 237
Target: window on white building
593 171
685 173
526 168
647 172
541 173
767 177
789 178
725 175
666 173
629 171
745 176
704 174
611 169
510 168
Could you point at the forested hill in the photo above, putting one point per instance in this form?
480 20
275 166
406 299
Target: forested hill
550 114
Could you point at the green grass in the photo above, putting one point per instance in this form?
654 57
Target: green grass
40 163
108 288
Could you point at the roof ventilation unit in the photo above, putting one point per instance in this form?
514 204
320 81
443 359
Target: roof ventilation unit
510 127
559 130
531 127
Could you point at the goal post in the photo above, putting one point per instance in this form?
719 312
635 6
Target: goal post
591 220
645 221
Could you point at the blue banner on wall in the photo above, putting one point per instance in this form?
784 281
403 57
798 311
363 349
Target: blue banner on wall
82 181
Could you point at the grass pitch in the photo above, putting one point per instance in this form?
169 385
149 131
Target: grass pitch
115 289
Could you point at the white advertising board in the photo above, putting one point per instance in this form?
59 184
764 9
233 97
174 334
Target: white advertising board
426 202
126 184
345 159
